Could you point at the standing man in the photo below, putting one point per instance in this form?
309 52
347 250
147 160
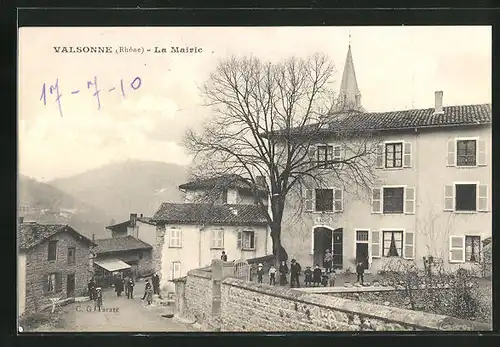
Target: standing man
223 256
131 285
148 287
295 270
156 283
283 269
360 271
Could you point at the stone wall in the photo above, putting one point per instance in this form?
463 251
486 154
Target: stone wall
38 268
223 303
158 247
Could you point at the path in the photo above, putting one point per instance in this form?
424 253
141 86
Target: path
132 315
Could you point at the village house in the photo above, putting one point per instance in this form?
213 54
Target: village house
191 234
432 196
53 262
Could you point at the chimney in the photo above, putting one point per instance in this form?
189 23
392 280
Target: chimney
438 102
21 220
141 215
133 218
93 237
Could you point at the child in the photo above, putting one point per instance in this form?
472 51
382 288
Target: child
260 273
324 278
149 295
317 275
308 276
272 275
98 298
360 270
333 275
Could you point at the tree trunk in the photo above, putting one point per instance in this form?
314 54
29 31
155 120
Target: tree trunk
278 251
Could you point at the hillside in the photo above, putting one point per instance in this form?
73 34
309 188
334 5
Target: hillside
126 187
86 218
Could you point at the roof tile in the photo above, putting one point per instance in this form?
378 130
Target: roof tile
31 234
119 244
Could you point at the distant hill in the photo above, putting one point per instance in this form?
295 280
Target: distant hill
86 218
131 186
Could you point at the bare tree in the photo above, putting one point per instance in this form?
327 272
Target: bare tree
268 119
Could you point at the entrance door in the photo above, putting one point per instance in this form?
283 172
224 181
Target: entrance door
362 247
337 249
70 285
322 242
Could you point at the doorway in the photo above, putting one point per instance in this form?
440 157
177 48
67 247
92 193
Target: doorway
362 254
323 238
70 285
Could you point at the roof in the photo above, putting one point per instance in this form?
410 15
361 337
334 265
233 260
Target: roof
210 214
32 234
230 180
127 223
120 244
464 115
112 264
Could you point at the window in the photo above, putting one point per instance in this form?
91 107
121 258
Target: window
465 197
472 248
175 238
52 251
361 235
248 240
394 155
52 283
466 152
393 200
71 255
324 156
218 238
175 269
324 200
393 244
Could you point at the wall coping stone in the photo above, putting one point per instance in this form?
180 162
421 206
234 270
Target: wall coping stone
417 319
200 273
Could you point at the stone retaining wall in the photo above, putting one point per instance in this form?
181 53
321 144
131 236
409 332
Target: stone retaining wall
223 303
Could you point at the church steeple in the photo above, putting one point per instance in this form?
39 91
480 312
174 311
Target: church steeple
350 97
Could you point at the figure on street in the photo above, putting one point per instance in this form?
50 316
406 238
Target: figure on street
272 275
131 285
223 256
98 298
283 273
148 286
156 283
91 288
360 270
317 275
295 270
328 261
308 274
118 285
260 273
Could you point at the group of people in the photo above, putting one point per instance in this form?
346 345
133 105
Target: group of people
126 283
313 277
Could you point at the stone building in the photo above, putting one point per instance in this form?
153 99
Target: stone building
431 195
191 234
52 262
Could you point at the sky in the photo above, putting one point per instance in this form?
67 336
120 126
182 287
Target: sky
397 68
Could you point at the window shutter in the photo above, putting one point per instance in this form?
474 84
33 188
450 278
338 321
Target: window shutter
409 247
312 155
338 202
451 157
58 284
407 154
376 245
179 234
337 149
255 241
214 238
482 192
376 200
309 200
449 196
172 270
481 153
410 199
238 242
221 238
177 270
457 249
380 156
45 281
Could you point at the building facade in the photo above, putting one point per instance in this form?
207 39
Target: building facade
52 262
432 195
191 234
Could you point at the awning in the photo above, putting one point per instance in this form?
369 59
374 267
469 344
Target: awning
112 264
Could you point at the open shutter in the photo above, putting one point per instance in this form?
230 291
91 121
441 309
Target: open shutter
409 247
457 249
376 200
215 235
312 155
337 156
481 153
255 241
338 202
179 233
410 200
172 270
45 281
309 200
407 154
238 242
376 244
58 282
177 272
451 157
482 198
449 197
221 238
380 156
